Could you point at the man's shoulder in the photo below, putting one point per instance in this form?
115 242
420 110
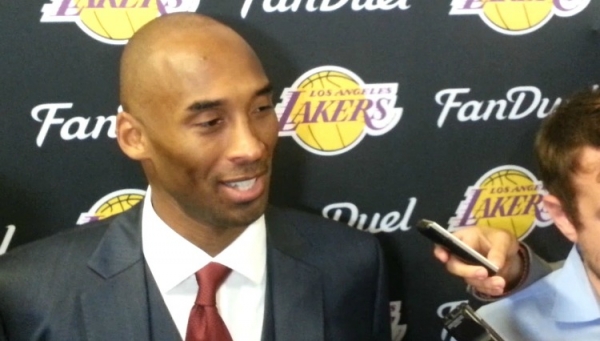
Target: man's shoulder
54 266
73 242
322 242
317 227
348 257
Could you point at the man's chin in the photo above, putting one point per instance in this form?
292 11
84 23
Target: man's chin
243 214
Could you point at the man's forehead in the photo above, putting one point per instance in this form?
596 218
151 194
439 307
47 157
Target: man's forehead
181 63
198 45
198 68
174 65
195 58
197 51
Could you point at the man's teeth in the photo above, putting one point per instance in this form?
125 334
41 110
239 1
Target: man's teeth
242 185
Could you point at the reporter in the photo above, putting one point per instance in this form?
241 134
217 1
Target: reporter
564 305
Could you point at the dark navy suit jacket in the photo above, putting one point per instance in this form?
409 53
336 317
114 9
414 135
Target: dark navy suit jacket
325 282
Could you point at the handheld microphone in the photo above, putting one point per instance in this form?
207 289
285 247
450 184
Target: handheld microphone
463 324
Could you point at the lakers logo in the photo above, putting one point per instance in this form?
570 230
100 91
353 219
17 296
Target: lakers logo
111 204
329 110
516 17
506 197
112 21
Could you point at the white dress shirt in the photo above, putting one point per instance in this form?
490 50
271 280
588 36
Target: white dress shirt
173 261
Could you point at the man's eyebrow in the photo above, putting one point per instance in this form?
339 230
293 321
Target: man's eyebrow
204 105
265 90
208 104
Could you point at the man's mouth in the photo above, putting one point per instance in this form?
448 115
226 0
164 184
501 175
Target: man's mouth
246 190
243 186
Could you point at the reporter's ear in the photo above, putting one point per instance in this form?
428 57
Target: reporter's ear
560 218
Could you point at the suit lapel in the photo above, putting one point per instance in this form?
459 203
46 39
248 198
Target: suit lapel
294 305
162 326
118 307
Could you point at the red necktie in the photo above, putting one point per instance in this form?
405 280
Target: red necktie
205 323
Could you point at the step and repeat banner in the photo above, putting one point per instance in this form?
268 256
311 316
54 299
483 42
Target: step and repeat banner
451 91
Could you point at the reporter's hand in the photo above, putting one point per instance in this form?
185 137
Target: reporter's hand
499 247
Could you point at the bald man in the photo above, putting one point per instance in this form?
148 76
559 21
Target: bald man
198 115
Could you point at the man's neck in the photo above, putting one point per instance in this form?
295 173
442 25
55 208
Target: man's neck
211 240
594 281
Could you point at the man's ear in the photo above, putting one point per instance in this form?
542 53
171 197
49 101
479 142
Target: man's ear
564 224
130 136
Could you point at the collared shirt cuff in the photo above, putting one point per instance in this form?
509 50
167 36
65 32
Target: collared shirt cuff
534 269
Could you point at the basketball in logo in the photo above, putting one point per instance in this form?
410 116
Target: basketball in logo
320 134
118 204
518 15
112 204
117 23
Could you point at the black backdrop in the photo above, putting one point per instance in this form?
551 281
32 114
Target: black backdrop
456 90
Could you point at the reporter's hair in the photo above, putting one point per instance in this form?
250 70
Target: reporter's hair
574 124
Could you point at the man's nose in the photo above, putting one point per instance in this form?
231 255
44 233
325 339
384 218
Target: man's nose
244 143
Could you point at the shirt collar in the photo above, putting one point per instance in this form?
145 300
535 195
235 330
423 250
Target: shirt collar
575 299
172 259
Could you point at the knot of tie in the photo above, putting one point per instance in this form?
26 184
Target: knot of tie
209 280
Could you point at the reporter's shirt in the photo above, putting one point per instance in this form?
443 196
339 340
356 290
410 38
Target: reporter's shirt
561 306
173 262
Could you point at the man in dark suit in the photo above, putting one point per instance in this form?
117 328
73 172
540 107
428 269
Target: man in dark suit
198 116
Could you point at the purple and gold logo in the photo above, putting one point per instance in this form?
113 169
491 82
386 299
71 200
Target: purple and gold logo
507 197
112 21
515 17
329 110
111 204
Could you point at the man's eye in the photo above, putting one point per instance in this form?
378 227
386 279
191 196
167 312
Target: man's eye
264 108
211 123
